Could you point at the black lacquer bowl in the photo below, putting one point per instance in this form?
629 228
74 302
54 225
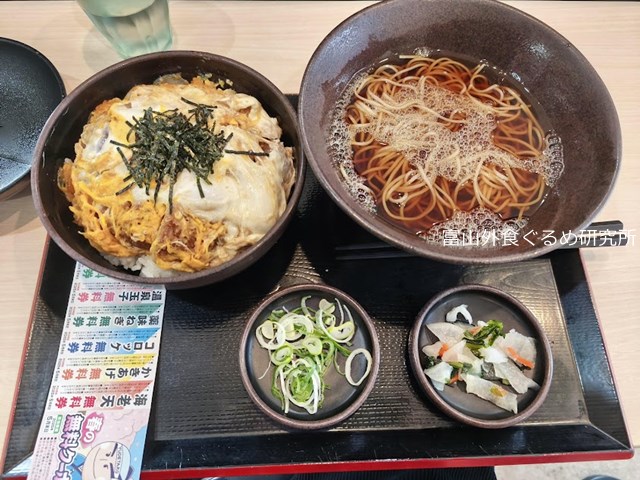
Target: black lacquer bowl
30 89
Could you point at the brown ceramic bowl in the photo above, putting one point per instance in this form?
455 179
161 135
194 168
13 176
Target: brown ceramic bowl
484 303
341 398
572 95
63 130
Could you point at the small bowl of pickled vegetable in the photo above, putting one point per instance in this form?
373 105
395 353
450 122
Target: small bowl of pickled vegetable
309 356
481 356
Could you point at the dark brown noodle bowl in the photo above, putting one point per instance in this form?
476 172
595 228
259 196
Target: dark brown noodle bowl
574 105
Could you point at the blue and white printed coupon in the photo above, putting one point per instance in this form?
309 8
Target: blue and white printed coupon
96 416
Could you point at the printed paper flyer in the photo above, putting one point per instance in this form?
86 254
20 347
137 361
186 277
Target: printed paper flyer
96 416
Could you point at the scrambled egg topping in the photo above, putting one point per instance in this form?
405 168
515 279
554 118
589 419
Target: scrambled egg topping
245 197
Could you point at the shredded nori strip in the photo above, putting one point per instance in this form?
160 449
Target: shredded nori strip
247 152
168 142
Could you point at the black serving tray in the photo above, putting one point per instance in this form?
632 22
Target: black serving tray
204 424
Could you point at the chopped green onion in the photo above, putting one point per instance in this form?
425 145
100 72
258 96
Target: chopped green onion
282 355
303 344
347 367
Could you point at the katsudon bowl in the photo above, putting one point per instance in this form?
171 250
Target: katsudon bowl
579 129
58 139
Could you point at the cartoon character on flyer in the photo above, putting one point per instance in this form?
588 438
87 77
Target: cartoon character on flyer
105 461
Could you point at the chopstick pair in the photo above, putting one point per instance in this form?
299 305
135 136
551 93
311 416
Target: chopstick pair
598 234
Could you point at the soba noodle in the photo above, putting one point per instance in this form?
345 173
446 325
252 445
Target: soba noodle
433 137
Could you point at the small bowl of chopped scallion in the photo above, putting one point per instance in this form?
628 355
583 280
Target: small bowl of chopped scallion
309 356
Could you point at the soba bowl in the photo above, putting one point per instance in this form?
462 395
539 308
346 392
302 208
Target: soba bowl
65 126
515 48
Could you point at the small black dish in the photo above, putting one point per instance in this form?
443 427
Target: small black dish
30 89
484 303
341 398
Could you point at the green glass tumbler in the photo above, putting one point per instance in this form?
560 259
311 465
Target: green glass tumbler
133 27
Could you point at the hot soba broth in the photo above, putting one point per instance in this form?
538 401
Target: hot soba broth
439 143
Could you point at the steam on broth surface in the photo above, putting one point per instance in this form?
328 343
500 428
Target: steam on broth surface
431 143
